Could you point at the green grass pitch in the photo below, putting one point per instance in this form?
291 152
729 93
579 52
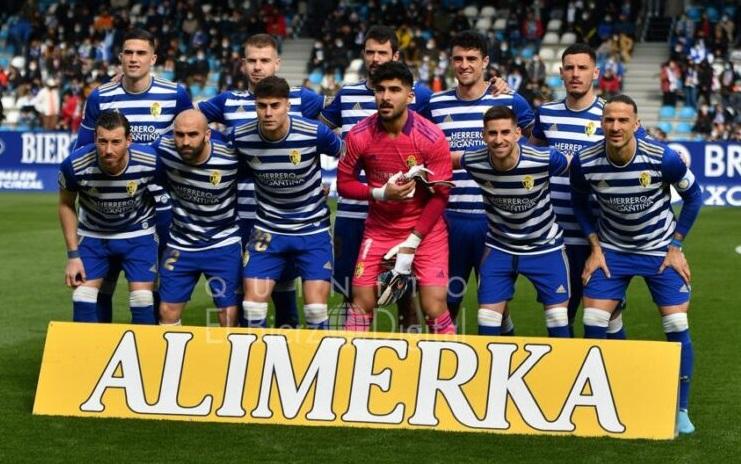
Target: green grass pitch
32 293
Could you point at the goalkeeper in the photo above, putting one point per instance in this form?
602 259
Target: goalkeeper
405 218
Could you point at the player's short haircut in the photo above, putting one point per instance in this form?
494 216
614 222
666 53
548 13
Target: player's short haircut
261 41
622 98
272 87
139 34
382 34
393 70
113 119
500 112
578 49
469 40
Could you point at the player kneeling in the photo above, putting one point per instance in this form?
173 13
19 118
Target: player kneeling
405 216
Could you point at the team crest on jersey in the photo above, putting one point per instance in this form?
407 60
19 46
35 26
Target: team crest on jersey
645 179
590 128
155 109
295 156
411 161
359 270
528 182
132 187
215 178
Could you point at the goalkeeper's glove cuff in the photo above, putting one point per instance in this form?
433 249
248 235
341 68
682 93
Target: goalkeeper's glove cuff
403 263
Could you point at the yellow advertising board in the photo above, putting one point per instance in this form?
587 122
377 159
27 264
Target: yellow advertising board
622 389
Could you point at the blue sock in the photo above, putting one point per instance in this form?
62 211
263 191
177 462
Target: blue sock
453 308
686 365
156 306
615 328
286 312
105 306
559 332
84 304
617 335
141 304
490 330
594 331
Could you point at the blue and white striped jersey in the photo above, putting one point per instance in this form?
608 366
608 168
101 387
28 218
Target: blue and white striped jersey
288 175
150 113
353 103
204 196
518 206
111 207
233 108
635 213
463 123
568 131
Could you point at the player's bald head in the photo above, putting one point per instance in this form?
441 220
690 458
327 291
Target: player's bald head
192 135
191 119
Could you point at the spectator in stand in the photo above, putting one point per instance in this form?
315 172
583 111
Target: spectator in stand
605 28
699 52
535 70
47 103
705 81
338 59
691 81
71 114
670 76
532 29
704 122
609 84
586 30
27 110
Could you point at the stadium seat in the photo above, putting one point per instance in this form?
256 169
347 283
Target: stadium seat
209 91
687 113
568 38
730 11
554 25
488 12
683 128
196 91
556 68
169 75
553 81
665 126
471 12
355 65
713 14
667 112
315 77
550 38
483 24
694 13
547 54
500 24
527 53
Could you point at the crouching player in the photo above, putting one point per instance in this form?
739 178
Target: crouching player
523 236
405 219
200 174
282 154
110 181
636 233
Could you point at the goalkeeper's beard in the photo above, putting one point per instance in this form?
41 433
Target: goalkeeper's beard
395 114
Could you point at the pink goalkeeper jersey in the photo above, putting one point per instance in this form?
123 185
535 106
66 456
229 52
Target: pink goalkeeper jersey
370 147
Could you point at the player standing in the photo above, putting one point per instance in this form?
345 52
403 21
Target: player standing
200 174
523 236
353 103
110 180
292 222
635 233
233 108
402 220
150 104
458 113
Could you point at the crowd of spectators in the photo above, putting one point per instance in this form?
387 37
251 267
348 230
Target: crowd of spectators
57 52
425 28
700 72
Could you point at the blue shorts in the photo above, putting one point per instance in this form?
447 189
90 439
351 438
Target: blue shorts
137 256
549 273
667 288
348 233
466 237
246 226
268 255
180 271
